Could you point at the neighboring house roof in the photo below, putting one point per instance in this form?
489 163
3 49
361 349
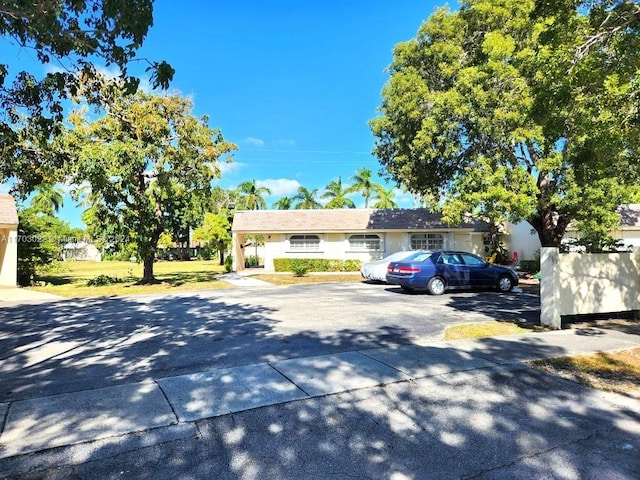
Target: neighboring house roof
342 220
629 215
8 211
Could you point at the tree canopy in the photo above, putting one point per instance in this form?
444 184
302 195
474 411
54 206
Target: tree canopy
251 196
337 195
80 37
306 199
507 109
148 160
364 184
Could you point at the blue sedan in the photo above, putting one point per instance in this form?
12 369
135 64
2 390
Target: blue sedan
440 270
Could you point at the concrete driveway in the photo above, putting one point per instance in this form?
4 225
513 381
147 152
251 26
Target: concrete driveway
72 345
468 409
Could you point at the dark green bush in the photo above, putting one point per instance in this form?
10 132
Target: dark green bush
251 261
228 264
102 280
530 266
315 265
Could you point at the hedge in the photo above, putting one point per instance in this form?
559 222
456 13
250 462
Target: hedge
316 265
530 266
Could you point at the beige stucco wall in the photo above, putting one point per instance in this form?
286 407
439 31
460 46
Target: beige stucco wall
8 256
628 236
576 284
336 246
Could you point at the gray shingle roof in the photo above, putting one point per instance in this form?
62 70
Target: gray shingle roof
341 220
8 212
629 215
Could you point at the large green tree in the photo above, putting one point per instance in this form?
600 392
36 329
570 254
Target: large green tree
283 203
385 198
215 232
337 195
47 199
364 184
251 196
80 37
306 199
508 109
145 159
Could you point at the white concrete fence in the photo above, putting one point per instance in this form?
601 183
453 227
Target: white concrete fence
583 283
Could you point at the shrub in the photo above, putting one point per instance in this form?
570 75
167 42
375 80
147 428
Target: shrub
299 269
228 264
102 280
315 265
251 261
530 266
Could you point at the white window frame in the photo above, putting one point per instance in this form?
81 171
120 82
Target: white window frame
304 243
428 241
365 242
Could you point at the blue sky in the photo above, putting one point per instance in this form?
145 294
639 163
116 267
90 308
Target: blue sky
292 83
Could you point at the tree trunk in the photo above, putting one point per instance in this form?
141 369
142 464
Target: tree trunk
548 223
147 276
550 227
149 255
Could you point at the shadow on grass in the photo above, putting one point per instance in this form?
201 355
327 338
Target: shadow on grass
180 278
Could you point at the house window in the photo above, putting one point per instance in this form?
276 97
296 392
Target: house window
304 242
365 242
427 241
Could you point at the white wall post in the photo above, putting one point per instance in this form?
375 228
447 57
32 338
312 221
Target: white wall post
550 288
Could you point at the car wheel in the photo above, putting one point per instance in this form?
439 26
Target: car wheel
436 286
505 284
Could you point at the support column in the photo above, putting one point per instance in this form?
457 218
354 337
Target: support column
550 288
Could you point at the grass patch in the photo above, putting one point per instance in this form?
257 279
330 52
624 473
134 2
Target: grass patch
486 329
89 279
291 279
617 372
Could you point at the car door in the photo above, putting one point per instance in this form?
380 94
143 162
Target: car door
476 272
451 267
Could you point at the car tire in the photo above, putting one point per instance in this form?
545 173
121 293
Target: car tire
505 284
436 286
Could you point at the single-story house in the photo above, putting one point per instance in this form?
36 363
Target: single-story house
527 243
360 234
81 251
8 241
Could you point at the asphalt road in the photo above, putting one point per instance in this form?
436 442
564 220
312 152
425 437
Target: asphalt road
66 346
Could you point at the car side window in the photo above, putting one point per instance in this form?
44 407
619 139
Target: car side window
472 260
420 257
448 259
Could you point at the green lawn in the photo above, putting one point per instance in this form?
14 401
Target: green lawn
71 280
487 329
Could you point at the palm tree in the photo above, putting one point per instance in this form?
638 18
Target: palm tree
363 183
385 198
48 199
283 204
306 199
251 196
338 195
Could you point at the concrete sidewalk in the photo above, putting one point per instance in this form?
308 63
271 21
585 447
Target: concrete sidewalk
242 280
16 294
167 407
